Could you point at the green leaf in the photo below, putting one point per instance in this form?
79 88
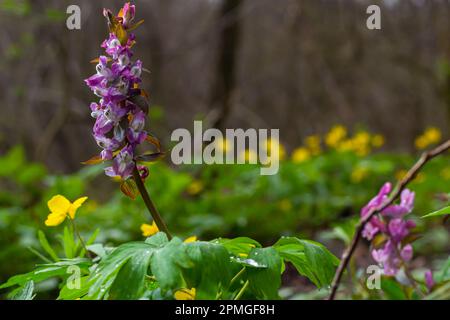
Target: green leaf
211 269
392 289
69 243
46 246
440 212
158 240
25 293
129 282
97 249
442 292
166 264
248 262
310 258
128 265
90 242
39 255
73 294
104 275
11 163
236 246
264 283
45 271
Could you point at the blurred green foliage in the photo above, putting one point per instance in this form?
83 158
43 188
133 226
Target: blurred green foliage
304 199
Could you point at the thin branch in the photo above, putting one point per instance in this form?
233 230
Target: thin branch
412 173
149 203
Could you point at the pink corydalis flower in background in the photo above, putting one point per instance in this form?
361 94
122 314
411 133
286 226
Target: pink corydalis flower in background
120 116
392 225
429 281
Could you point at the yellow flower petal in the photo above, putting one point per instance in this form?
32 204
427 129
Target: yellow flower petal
377 141
55 219
59 204
300 155
190 239
195 187
185 294
149 229
74 206
335 136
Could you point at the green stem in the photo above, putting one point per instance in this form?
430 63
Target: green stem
241 292
149 203
237 275
75 230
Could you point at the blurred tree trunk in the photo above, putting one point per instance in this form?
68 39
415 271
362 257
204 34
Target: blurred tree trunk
224 81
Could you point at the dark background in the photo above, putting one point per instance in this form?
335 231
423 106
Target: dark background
297 65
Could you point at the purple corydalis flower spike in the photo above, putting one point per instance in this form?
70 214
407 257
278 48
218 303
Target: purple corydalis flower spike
393 226
119 123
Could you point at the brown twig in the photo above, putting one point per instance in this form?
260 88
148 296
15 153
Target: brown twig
426 156
149 203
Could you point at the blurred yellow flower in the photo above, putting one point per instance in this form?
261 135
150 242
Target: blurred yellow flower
273 145
195 187
60 208
335 136
421 142
313 144
285 205
346 145
362 138
185 294
445 173
359 174
190 239
300 155
432 135
243 255
149 229
378 141
361 143
249 156
420 177
224 145
400 174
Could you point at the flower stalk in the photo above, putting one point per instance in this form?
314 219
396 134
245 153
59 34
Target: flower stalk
149 203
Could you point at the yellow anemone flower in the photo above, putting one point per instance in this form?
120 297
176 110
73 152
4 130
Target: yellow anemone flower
359 174
190 239
433 135
149 229
195 187
249 156
272 145
378 141
335 136
224 145
300 155
313 144
60 208
185 294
